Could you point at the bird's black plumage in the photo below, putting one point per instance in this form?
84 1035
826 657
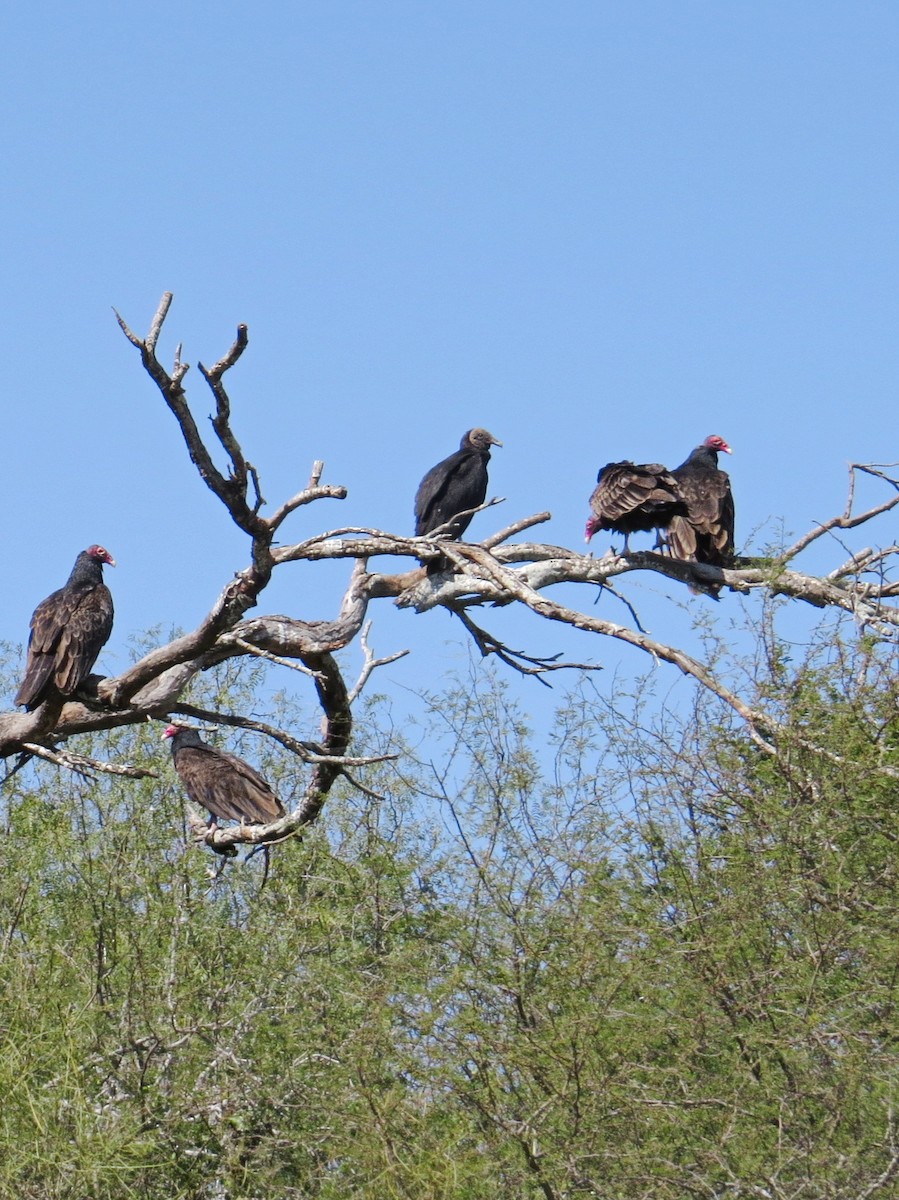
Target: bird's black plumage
633 497
705 534
226 786
68 631
456 484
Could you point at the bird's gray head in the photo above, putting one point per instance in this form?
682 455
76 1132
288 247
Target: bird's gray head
479 439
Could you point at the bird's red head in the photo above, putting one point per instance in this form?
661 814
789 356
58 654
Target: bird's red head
714 442
590 528
170 732
101 555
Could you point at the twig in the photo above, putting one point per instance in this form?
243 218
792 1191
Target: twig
366 791
371 663
524 664
846 520
272 658
227 361
468 512
221 422
310 752
308 495
607 587
516 527
82 765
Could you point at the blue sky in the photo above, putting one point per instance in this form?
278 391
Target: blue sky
602 230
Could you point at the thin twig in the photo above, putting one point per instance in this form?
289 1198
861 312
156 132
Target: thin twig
80 764
516 527
310 752
274 658
371 663
309 495
468 512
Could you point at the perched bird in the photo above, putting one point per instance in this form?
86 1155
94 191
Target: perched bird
68 631
631 497
227 787
706 533
454 485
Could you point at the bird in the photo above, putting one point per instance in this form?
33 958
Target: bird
226 786
630 497
456 484
705 534
68 631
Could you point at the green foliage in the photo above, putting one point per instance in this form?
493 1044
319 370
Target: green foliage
652 961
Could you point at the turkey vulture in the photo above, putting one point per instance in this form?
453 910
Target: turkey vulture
454 485
227 787
630 497
68 631
706 533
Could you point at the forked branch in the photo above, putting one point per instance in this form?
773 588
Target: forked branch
496 572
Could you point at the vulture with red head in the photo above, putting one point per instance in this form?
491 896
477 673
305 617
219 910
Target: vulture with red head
68 631
706 533
456 484
227 787
630 497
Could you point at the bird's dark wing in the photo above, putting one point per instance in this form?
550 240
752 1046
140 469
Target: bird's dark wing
433 504
82 637
226 786
631 497
726 524
68 631
258 803
207 783
682 539
706 534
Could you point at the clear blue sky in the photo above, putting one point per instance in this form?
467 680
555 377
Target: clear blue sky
602 230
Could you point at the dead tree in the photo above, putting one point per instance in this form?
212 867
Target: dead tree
495 571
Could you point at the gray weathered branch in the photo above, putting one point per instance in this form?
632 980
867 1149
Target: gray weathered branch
496 572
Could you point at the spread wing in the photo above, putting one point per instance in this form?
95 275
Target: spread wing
629 497
68 631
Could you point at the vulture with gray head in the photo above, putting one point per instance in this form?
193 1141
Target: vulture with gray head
68 631
631 497
227 787
454 485
706 533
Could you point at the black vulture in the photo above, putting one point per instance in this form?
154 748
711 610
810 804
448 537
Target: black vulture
455 485
68 631
227 787
706 533
631 497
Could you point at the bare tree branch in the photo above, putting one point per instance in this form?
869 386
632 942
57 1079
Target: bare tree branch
516 527
82 765
371 663
518 660
496 572
847 520
258 652
310 752
221 422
